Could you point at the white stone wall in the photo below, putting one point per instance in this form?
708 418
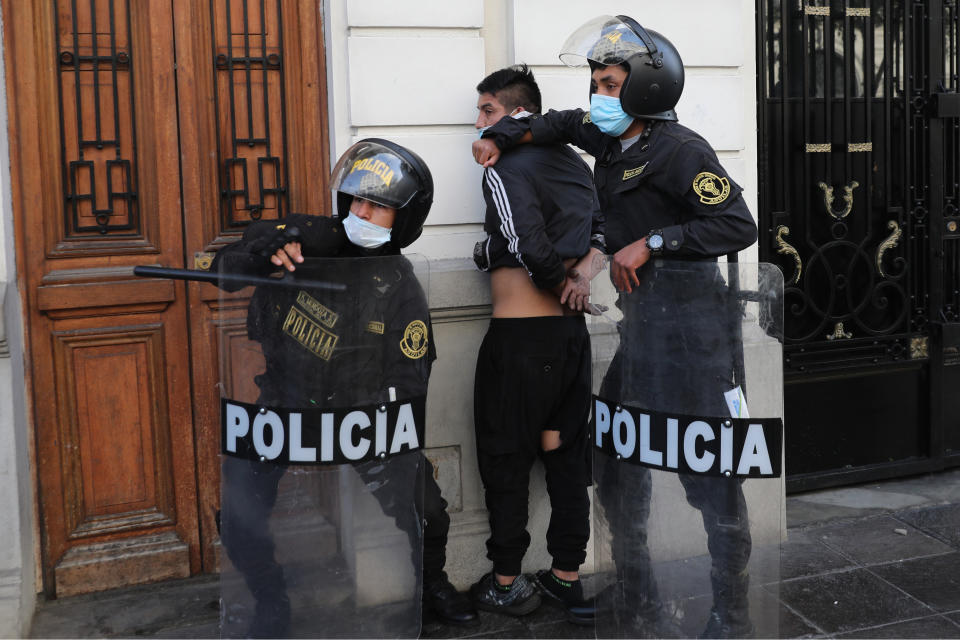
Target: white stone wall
407 70
18 577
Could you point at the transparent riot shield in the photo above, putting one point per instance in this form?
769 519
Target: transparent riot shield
323 385
687 464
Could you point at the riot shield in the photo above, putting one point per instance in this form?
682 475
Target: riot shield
323 386
687 457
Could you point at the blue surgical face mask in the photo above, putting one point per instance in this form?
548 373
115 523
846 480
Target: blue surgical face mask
365 234
609 116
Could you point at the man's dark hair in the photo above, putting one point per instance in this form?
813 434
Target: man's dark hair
513 87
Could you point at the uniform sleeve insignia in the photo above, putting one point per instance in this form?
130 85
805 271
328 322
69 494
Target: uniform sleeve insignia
630 173
414 343
586 118
711 188
375 327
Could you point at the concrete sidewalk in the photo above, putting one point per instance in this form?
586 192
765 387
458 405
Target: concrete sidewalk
874 561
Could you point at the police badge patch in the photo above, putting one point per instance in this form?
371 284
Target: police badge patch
414 343
586 118
711 188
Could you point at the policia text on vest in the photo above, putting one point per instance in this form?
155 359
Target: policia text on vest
742 447
321 436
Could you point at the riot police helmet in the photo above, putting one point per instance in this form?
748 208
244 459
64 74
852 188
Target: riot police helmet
388 174
654 69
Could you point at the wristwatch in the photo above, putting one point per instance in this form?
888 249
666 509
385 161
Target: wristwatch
655 241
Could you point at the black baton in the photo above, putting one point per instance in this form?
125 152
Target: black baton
248 280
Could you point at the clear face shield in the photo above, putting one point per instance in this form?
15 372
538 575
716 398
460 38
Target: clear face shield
605 39
374 172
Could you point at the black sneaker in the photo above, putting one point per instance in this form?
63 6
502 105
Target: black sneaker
519 600
567 595
447 604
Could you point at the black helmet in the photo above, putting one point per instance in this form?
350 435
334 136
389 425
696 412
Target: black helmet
388 174
655 77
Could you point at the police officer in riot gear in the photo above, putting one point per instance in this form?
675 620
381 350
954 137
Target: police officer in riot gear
383 195
663 193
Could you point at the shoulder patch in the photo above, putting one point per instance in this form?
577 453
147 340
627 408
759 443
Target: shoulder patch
711 188
630 173
586 118
414 343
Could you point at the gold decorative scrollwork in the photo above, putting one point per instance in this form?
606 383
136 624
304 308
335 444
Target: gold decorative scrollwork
887 244
859 147
858 12
847 199
784 247
839 333
918 348
818 148
811 10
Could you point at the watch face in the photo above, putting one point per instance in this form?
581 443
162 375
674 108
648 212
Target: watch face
655 242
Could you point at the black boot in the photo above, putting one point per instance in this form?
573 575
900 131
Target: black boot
628 612
447 604
730 615
272 617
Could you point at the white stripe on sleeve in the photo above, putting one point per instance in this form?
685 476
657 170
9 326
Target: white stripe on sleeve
502 203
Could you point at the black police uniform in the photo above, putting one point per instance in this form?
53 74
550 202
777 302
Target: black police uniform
365 364
671 181
534 373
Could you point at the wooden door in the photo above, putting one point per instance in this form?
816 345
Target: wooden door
252 81
131 124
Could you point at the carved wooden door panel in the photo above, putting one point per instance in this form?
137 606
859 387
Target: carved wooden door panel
93 132
252 81
144 132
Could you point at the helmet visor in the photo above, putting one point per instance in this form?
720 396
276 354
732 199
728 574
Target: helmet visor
605 39
374 172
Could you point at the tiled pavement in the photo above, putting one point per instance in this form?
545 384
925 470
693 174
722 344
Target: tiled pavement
847 571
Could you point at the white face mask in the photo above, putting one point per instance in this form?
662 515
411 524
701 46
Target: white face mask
365 234
520 114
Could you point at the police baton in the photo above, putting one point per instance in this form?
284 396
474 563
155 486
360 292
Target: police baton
288 280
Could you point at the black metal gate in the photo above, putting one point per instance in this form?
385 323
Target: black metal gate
859 195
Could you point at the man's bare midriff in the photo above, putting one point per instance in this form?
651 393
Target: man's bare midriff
515 296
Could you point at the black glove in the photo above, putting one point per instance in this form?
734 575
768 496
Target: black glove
271 240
